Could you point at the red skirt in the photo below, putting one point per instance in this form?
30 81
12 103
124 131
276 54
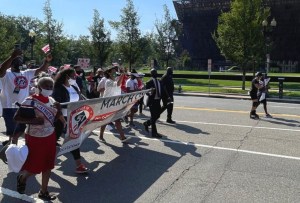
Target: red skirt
42 153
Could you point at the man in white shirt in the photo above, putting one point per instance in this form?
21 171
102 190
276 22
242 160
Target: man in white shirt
15 88
132 86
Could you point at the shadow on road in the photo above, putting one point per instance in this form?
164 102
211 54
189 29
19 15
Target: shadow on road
123 179
282 121
186 128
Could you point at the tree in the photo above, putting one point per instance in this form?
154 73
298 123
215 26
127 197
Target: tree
129 33
238 34
100 39
53 30
166 36
8 36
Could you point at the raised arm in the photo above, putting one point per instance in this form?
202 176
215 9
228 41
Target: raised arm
7 63
44 66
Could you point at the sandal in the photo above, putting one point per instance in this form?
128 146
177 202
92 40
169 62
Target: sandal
20 186
46 196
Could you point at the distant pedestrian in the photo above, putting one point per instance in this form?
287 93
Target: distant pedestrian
255 86
262 94
167 94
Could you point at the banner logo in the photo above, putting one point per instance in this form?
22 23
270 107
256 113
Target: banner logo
78 119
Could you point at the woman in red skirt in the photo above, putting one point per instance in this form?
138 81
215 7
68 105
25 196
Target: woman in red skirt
40 137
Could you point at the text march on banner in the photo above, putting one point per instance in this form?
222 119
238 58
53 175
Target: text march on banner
88 115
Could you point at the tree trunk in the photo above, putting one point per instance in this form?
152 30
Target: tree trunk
244 77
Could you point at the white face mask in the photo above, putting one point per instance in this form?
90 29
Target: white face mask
72 81
46 93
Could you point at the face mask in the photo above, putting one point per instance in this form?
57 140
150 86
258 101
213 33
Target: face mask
72 81
114 75
46 93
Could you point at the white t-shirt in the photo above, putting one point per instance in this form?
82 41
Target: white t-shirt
111 88
101 85
74 96
15 87
132 84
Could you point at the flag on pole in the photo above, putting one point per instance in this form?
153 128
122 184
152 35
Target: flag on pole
52 69
46 48
88 115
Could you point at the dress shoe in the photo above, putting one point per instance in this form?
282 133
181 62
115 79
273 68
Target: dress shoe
146 126
156 135
169 120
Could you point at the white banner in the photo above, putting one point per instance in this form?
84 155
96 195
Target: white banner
85 116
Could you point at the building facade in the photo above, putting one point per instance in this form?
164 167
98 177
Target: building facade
199 19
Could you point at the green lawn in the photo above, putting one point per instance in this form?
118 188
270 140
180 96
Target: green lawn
231 86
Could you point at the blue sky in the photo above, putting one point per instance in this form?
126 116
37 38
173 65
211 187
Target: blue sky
77 15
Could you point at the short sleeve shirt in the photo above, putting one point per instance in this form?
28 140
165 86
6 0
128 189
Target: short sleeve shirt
15 87
253 88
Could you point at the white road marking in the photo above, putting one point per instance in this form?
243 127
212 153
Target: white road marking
241 126
17 195
210 146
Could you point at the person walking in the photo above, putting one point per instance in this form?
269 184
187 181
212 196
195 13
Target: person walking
167 95
153 103
255 86
40 137
15 88
132 86
112 88
65 92
262 94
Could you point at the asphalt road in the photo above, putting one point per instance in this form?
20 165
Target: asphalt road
214 153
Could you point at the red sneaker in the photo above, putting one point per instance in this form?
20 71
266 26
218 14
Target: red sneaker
82 169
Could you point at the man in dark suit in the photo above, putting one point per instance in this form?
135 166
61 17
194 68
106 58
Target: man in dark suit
153 103
167 96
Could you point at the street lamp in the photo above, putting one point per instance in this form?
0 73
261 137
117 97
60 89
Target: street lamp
32 35
267 32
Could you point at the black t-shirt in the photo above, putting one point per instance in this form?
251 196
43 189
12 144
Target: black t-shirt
253 87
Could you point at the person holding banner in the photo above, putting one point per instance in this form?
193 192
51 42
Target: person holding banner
153 103
40 137
112 88
132 86
64 91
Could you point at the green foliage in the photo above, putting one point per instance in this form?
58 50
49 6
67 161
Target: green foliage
165 37
8 36
129 34
100 39
238 34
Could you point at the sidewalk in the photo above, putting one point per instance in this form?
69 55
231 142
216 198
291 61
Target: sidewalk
236 96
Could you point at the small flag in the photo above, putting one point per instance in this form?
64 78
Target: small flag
46 48
67 66
52 69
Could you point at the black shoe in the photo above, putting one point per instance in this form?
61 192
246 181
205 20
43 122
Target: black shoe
156 135
146 126
46 196
169 120
5 142
20 186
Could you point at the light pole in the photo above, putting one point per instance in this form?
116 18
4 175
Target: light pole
32 35
267 32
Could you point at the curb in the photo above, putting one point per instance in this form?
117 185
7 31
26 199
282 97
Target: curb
236 96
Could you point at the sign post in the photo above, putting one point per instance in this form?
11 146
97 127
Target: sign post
209 62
